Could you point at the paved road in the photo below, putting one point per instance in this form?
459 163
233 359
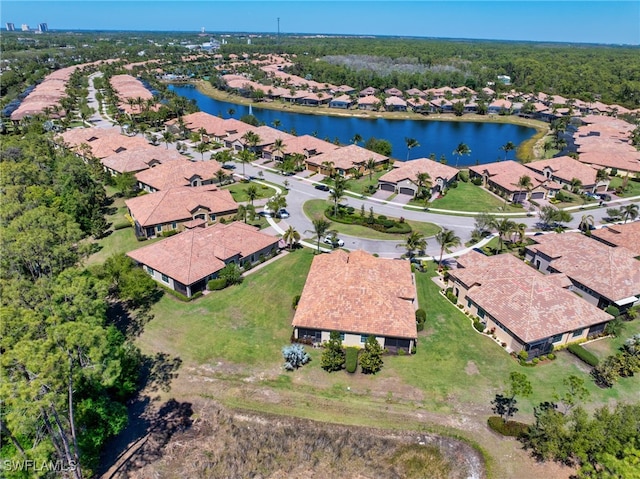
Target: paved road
302 189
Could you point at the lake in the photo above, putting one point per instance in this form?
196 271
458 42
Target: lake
439 137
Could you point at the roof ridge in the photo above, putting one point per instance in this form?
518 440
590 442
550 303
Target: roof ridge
157 205
192 232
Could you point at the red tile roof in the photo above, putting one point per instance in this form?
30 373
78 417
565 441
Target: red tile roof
627 235
347 157
408 170
358 293
140 159
177 173
197 253
565 168
506 174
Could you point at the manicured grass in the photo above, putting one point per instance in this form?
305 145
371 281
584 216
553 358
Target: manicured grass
360 185
469 197
239 191
315 208
607 346
633 187
248 323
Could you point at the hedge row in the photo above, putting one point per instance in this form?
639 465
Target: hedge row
351 360
421 318
583 354
508 428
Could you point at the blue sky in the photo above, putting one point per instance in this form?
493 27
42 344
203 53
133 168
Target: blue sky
583 21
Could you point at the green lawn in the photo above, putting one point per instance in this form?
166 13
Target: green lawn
247 323
608 346
469 197
315 208
239 191
360 185
633 187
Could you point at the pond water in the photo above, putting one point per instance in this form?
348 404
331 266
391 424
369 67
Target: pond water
439 137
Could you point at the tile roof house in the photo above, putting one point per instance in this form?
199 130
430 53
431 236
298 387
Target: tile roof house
139 159
393 92
216 128
524 309
403 178
186 261
564 169
101 142
368 102
178 173
358 295
503 176
342 101
266 136
308 146
344 160
369 91
601 274
395 103
498 106
626 235
167 210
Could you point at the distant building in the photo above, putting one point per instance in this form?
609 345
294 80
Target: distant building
25 27
43 27
504 79
11 27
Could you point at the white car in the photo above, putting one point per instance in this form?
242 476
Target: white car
333 241
282 213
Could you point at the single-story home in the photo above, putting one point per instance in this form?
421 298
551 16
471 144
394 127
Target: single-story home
602 275
369 91
178 173
499 106
367 296
626 235
342 101
368 103
524 309
138 159
187 261
343 160
564 170
502 177
168 210
403 178
308 146
395 103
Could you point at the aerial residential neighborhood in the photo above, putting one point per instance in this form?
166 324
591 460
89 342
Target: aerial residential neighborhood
232 254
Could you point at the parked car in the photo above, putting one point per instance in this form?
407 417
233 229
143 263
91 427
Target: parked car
229 166
605 196
282 213
333 241
321 187
266 213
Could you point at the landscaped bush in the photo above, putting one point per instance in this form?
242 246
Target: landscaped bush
120 225
347 215
463 176
421 316
478 326
583 354
296 300
551 356
295 356
476 180
217 284
508 428
613 311
351 361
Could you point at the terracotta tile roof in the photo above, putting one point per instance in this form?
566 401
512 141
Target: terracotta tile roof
565 168
358 293
611 272
627 235
308 144
267 135
347 157
393 92
394 101
507 173
531 305
140 159
177 173
415 92
368 100
77 136
500 103
343 98
404 170
108 145
368 91
197 253
178 204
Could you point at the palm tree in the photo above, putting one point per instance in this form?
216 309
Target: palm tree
231 112
371 166
252 193
586 222
276 123
424 184
461 149
503 227
446 239
279 147
336 195
525 183
291 237
630 212
411 144
246 156
329 167
276 203
221 176
507 147
201 148
602 175
576 184
168 137
415 242
252 139
356 139
320 227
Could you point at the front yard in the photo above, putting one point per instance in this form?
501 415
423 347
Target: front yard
469 197
633 187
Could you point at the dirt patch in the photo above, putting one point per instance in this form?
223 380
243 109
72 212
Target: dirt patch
471 368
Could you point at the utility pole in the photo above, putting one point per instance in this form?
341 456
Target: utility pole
278 30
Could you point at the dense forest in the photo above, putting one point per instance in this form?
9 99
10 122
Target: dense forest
67 368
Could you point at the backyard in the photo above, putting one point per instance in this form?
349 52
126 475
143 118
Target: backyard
633 186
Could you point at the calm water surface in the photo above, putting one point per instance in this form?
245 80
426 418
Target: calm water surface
439 137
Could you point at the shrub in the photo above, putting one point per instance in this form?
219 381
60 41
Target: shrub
217 284
463 176
166 234
371 358
551 356
421 316
583 354
613 311
351 361
507 428
504 345
451 297
121 225
333 357
296 300
294 356
453 184
231 273
523 355
535 360
478 326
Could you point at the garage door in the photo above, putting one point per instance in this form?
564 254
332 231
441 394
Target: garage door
387 187
538 195
519 197
407 191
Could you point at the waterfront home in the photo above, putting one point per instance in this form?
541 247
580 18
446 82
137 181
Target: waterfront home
568 172
504 178
344 160
368 296
404 178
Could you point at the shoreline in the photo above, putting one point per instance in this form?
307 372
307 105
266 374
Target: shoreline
526 151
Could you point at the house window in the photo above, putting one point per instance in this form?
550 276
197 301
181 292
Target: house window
174 225
556 338
480 313
212 217
363 338
341 336
577 332
150 271
165 278
468 303
159 229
